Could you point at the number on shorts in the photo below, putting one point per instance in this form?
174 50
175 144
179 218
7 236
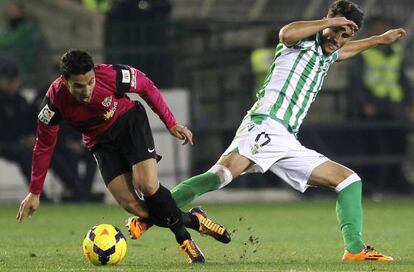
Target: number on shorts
267 138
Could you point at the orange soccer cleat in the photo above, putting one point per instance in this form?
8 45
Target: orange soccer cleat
367 254
191 252
210 228
136 227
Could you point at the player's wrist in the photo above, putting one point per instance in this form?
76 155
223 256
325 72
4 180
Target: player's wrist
378 39
34 194
171 125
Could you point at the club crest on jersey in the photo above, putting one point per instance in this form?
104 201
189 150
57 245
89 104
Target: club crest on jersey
108 115
46 114
255 148
107 101
126 76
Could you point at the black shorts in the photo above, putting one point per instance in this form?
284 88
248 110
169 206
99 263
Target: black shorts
128 141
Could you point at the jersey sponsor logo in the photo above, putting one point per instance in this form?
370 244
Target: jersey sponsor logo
107 101
126 76
46 114
110 113
134 78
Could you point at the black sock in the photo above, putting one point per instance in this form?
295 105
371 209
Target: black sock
190 220
164 213
181 233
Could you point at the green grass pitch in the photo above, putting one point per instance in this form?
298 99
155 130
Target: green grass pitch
298 236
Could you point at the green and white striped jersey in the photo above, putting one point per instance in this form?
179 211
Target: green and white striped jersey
292 82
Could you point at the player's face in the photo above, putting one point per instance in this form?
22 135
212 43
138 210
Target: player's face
335 37
81 86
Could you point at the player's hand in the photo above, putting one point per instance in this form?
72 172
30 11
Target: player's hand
182 133
392 35
342 21
28 206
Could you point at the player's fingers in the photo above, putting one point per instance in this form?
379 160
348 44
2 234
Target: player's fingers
22 213
188 136
185 138
185 141
178 134
31 211
19 211
353 26
351 23
22 216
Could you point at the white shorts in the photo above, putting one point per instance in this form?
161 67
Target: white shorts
271 147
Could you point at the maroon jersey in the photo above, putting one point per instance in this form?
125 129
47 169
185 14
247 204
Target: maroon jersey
107 104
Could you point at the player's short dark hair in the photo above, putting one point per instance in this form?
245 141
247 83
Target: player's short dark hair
348 9
75 62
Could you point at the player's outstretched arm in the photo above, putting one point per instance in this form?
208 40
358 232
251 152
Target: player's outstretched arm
182 133
46 138
353 48
28 206
292 33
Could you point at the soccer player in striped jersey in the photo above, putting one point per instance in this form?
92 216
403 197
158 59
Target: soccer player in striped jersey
266 139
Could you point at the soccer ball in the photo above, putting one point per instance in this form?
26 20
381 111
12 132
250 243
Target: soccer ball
104 244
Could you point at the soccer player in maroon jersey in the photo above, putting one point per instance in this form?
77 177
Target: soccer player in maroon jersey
91 98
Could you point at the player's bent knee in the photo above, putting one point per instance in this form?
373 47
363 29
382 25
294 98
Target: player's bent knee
148 190
148 187
224 174
347 181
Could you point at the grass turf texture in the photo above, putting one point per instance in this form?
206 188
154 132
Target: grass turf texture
299 236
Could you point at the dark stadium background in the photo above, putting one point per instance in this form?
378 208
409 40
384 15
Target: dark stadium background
204 48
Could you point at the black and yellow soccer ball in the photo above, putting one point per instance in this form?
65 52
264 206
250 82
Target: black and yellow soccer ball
104 244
